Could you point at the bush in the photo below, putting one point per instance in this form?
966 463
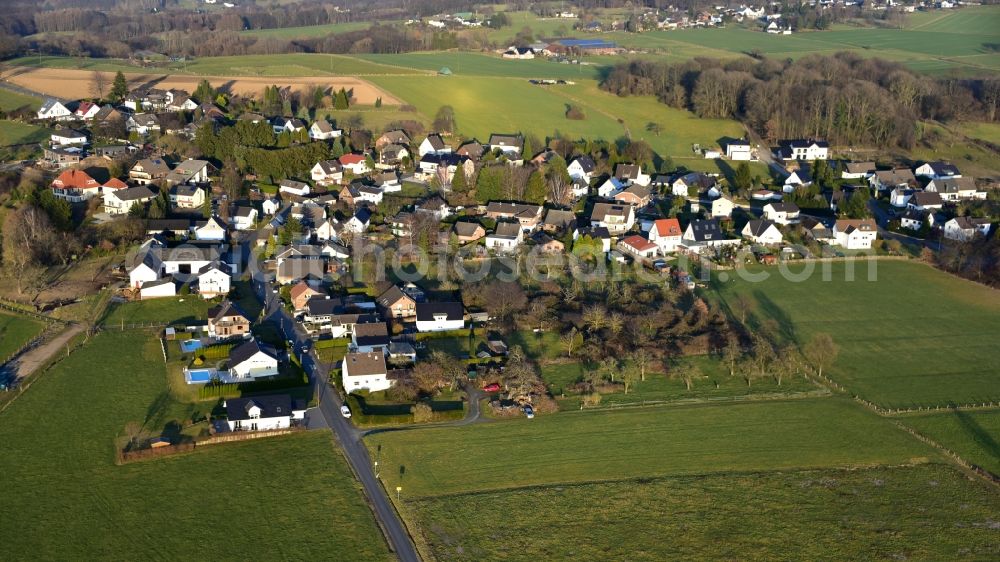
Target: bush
575 113
422 413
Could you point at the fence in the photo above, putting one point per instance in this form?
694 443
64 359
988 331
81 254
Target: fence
18 308
972 467
247 435
924 409
126 457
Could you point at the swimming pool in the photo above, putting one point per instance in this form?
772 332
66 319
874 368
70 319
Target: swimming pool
187 346
199 376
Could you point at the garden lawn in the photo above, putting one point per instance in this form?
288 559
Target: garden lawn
586 446
60 477
973 435
915 337
171 310
12 132
10 100
15 331
912 513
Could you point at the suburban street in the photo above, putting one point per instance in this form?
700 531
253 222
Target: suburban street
329 409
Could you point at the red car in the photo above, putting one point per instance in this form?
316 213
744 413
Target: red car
492 387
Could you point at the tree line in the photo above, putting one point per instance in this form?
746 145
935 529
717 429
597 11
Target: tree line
843 98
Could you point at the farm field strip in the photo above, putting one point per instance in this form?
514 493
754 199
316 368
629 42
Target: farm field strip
15 331
880 513
659 441
973 435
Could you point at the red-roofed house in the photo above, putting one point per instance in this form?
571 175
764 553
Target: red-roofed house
113 184
355 163
86 110
666 234
75 186
638 246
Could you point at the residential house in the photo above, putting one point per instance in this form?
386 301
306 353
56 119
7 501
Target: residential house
357 164
440 316
900 196
67 137
270 206
158 288
394 303
148 170
435 206
444 166
781 212
293 187
547 244
62 157
55 110
582 168
121 201
518 53
75 186
738 150
186 196
722 207
365 371
433 144
467 231
397 136
301 293
369 337
762 232
328 229
261 413
638 246
955 189
632 174
610 187
855 234
559 220
692 182
506 237
857 170
213 280
527 214
705 233
637 194
803 149
912 219
190 171
226 320
360 221
252 360
510 145
244 217
937 170
666 234
886 180
925 201
797 178
472 150
617 218
817 230
964 229
596 233
392 155
142 123
321 129
287 125
213 228
327 172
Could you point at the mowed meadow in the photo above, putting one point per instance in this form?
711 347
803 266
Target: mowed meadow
604 445
65 499
929 512
913 337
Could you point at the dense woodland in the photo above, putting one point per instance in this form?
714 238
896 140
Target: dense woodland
844 98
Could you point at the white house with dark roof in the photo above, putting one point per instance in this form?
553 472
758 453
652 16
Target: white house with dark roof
855 234
439 316
321 129
955 189
762 232
739 150
121 201
937 170
293 187
616 218
964 229
327 172
781 212
581 168
433 144
262 413
244 217
252 360
365 371
506 237
705 233
55 110
214 280
511 145
803 149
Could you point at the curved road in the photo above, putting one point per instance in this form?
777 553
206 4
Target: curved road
329 408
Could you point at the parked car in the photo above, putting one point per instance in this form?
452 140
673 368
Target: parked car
529 412
345 411
494 387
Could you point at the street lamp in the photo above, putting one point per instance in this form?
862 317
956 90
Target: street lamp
398 490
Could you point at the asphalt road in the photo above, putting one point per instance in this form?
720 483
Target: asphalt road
329 408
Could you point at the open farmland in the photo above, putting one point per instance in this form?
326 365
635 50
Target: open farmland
78 83
916 513
973 435
477 64
603 445
64 498
16 331
13 132
307 31
10 100
933 343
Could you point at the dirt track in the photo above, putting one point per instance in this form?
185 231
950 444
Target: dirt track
76 84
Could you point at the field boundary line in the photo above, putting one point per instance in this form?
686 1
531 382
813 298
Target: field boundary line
822 392
979 471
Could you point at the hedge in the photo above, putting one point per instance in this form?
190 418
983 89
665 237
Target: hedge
462 333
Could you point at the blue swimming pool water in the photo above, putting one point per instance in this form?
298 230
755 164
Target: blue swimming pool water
200 375
187 346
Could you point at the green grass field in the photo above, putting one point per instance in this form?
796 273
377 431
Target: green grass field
16 331
191 308
989 132
477 64
12 132
12 100
307 31
916 336
973 435
294 496
915 513
647 442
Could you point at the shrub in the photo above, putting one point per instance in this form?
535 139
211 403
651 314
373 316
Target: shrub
575 113
422 413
